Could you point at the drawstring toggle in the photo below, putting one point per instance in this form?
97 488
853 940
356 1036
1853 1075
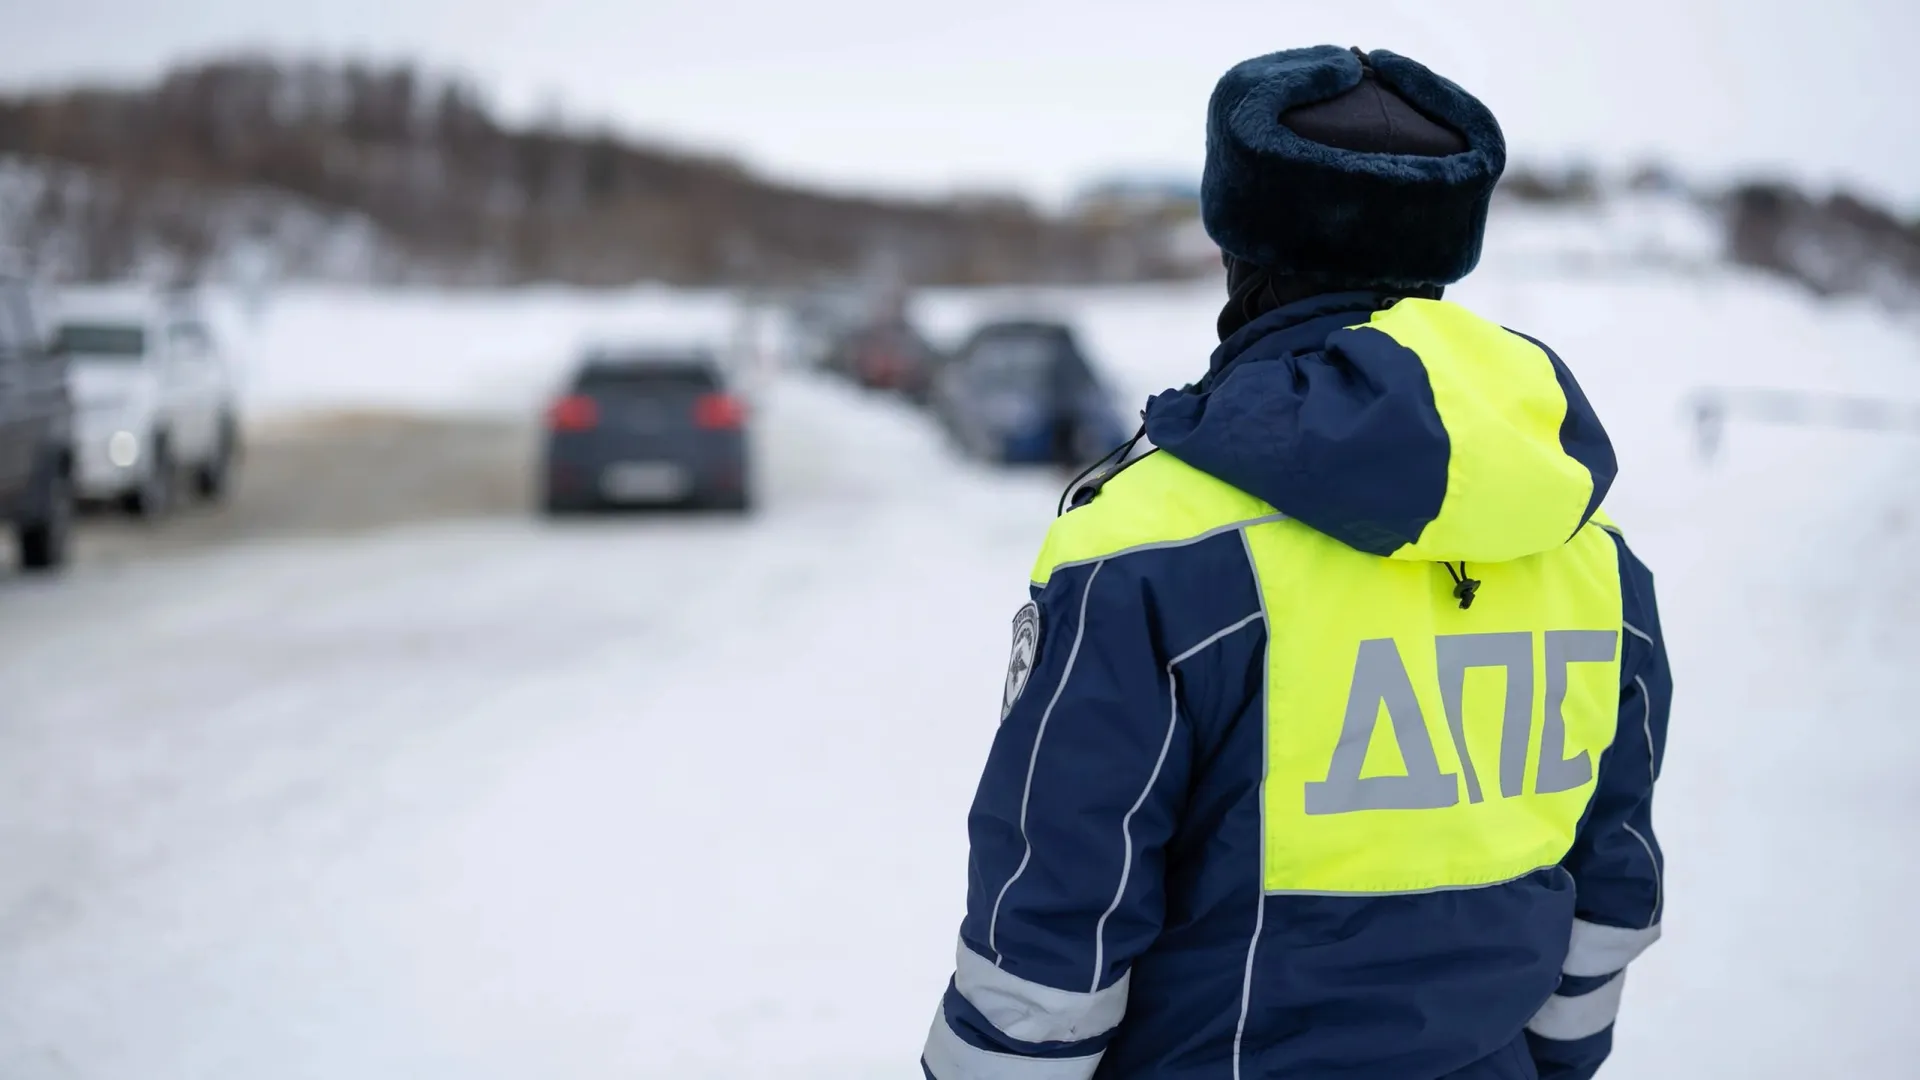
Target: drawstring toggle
1463 586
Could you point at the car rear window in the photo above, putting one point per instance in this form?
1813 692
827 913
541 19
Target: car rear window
100 339
1014 361
648 378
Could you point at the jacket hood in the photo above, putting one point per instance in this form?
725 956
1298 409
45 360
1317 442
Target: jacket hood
1409 429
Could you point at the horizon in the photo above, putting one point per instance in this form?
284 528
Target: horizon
1165 179
856 97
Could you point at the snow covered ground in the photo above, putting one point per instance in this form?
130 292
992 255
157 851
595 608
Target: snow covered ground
676 798
685 798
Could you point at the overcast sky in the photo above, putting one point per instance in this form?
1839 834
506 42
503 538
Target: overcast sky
1040 96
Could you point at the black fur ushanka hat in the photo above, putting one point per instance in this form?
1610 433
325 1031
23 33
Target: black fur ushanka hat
1328 163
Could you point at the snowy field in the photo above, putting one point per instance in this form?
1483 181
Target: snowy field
685 798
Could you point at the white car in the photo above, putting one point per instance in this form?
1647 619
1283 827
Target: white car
154 399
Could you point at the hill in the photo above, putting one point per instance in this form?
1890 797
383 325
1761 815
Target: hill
357 173
250 167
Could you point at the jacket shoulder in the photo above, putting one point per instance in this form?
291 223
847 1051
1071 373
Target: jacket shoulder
1157 502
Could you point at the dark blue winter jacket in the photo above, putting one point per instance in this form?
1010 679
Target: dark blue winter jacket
1330 736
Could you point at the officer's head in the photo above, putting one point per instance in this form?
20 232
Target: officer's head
1330 166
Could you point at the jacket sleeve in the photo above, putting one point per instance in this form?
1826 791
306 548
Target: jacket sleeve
1078 800
1615 861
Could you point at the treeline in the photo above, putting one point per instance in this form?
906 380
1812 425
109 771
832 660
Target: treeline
1837 244
442 189
368 174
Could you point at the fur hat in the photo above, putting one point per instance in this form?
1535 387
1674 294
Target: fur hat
1328 163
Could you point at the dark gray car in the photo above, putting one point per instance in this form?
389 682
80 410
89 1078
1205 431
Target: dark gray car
36 434
1023 392
646 429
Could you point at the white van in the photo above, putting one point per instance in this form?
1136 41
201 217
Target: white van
154 398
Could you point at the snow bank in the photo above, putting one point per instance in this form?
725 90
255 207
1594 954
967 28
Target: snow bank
315 348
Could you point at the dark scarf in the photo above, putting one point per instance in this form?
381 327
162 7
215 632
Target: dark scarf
1252 291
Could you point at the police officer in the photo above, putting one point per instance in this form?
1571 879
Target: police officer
1330 736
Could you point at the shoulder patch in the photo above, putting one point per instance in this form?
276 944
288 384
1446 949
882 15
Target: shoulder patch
1026 644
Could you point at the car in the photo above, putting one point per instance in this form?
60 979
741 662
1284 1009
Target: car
156 398
1023 392
646 428
36 433
818 321
887 354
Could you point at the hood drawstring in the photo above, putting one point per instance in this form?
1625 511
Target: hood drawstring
1074 487
1463 586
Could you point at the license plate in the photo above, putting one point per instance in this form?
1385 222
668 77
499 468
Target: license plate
645 416
643 481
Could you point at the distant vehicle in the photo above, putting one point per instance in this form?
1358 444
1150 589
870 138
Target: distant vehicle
636 429
1022 392
819 320
156 399
36 433
887 354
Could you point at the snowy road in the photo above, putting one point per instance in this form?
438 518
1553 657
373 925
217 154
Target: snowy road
628 798
685 798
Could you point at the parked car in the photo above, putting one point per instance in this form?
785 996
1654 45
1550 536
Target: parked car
819 320
36 433
642 428
1022 392
156 399
887 354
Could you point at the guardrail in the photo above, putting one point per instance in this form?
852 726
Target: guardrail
1713 407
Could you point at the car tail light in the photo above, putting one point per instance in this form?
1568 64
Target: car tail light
719 412
575 412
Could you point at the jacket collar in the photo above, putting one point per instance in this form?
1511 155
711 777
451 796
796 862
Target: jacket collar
1301 324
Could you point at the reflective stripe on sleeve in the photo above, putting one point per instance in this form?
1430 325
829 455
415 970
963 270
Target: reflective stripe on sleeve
1033 1013
1568 1018
1603 950
949 1057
